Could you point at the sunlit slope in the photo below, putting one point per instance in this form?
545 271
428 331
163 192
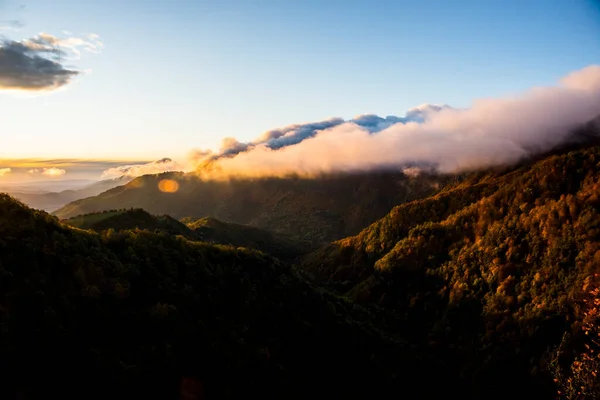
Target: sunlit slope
496 266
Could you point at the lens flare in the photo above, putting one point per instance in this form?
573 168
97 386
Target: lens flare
168 186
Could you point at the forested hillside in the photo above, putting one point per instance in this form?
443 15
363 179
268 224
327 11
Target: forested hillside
134 218
206 229
492 270
317 209
141 315
214 231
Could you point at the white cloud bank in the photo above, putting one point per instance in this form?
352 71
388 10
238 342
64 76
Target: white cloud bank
491 132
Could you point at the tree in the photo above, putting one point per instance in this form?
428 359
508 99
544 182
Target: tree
580 380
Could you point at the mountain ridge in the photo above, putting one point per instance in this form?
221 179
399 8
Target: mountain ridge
317 210
206 229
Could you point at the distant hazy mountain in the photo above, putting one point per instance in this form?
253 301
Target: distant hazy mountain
34 194
47 186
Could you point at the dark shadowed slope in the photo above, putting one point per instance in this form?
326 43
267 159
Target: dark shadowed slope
135 218
205 229
136 314
279 245
317 210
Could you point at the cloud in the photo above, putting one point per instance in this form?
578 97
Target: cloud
293 134
30 169
132 171
38 63
412 172
50 172
491 132
231 146
53 172
4 171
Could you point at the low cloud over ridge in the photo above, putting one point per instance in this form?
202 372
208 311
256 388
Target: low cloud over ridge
135 170
492 132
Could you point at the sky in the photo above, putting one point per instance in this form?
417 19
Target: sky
159 78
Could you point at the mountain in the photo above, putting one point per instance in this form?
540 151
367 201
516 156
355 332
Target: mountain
487 289
137 314
205 229
497 265
129 219
35 197
481 286
315 209
46 186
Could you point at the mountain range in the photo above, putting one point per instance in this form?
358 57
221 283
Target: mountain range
483 285
43 195
318 210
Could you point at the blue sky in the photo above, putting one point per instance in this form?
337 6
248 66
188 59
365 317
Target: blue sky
178 75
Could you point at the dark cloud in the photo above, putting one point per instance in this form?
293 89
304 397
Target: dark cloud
32 66
38 64
231 146
294 134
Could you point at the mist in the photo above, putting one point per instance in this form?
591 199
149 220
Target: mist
491 132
